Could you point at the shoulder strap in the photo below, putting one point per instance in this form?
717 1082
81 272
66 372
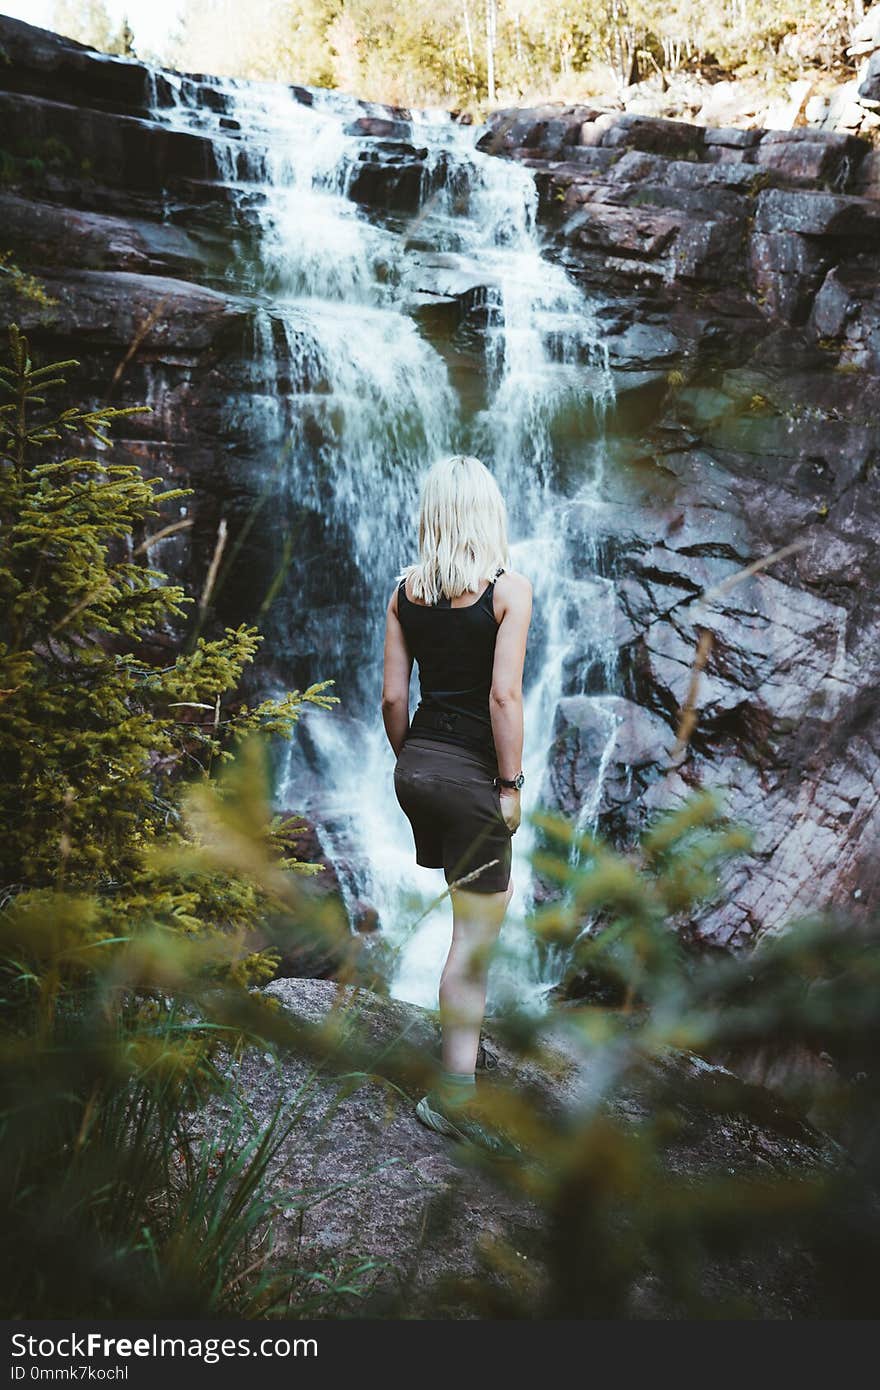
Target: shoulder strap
487 598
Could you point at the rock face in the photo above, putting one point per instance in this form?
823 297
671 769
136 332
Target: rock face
404 1197
735 274
740 272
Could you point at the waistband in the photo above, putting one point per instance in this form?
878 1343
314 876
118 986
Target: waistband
448 752
451 722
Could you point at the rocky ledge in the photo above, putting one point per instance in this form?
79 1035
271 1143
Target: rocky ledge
376 1190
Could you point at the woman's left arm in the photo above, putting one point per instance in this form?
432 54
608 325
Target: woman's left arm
395 679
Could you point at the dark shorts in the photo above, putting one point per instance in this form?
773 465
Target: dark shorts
448 796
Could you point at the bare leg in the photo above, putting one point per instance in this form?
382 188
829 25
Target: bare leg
476 922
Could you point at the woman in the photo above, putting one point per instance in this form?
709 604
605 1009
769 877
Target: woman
463 615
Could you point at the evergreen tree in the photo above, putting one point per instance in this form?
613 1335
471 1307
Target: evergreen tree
93 736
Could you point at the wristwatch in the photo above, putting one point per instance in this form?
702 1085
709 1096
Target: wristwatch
516 781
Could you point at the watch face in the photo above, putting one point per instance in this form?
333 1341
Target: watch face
516 781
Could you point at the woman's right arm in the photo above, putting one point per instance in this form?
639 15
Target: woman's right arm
513 595
396 674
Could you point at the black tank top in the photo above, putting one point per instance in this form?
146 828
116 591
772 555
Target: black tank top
455 652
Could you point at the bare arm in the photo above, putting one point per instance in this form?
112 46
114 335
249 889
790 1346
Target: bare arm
395 680
513 594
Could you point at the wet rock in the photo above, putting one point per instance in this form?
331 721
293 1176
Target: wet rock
314 942
46 64
306 846
60 237
449 276
637 398
869 87
606 750
101 308
643 345
377 127
365 917
388 181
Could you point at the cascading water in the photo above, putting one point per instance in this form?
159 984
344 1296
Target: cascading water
354 395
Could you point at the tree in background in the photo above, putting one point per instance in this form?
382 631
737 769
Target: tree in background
89 22
474 53
468 53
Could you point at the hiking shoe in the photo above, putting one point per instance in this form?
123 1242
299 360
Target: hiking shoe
461 1125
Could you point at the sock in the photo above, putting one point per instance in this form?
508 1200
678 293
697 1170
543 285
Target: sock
455 1088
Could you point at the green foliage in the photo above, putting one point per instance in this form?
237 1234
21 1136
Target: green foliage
123 1195
24 285
31 158
92 734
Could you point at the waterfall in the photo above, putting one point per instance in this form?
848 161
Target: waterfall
354 394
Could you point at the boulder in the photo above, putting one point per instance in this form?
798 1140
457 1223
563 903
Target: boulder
813 214
810 157
869 86
865 36
654 134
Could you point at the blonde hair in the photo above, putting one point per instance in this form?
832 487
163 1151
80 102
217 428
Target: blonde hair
462 530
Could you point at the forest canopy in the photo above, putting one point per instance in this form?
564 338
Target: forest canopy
465 53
